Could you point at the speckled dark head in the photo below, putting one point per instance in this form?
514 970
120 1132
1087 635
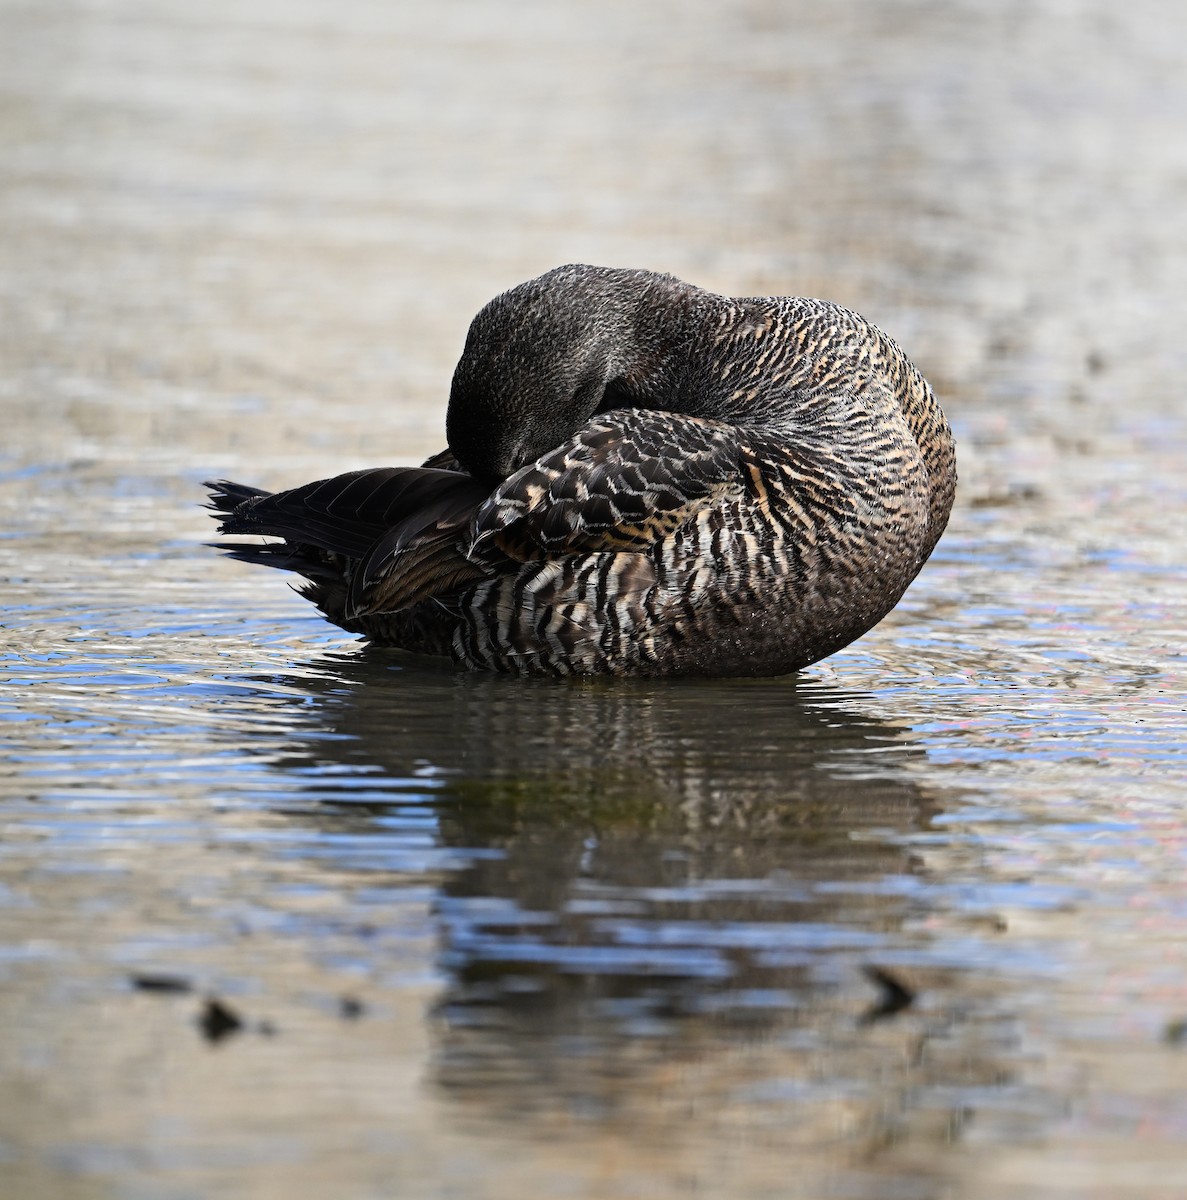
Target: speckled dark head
544 357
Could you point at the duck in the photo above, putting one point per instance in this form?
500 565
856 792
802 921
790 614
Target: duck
642 478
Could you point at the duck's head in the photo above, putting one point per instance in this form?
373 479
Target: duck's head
544 357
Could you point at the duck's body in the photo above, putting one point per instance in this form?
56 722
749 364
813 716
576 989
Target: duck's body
644 478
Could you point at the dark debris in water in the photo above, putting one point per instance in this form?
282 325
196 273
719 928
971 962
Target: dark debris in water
161 984
218 1020
350 1008
896 995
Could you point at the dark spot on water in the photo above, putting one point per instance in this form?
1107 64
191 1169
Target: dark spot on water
175 985
218 1020
896 995
350 1008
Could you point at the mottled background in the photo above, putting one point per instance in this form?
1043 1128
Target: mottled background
501 939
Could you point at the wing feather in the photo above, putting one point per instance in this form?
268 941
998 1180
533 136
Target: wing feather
625 481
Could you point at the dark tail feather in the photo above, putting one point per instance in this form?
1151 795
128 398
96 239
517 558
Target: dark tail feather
225 499
225 496
368 541
349 514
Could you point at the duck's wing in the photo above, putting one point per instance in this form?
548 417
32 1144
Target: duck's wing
395 533
625 481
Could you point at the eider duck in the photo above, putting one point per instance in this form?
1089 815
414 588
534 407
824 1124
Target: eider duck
644 479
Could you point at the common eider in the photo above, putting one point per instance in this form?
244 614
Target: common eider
642 478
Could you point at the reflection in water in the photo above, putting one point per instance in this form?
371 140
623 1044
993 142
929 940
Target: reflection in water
651 879
627 908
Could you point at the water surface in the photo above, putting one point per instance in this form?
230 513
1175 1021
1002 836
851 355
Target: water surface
909 924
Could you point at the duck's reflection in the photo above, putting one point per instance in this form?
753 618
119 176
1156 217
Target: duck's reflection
643 861
669 895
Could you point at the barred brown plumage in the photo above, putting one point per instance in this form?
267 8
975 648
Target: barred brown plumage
643 478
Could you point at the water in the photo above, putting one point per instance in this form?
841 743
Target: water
495 938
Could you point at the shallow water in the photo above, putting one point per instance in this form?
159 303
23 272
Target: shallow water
910 924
